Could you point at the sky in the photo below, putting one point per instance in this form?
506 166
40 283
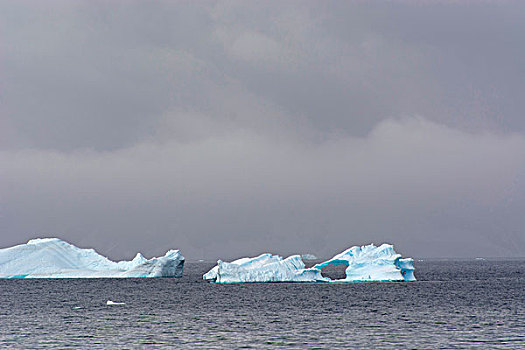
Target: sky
231 128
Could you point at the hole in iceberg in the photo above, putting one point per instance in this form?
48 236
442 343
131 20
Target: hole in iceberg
334 272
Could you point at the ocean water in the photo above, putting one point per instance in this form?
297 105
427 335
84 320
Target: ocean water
453 305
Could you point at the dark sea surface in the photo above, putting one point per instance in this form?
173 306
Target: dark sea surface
453 305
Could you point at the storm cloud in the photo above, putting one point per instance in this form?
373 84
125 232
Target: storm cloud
231 128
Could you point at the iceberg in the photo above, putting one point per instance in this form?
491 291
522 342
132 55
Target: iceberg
363 264
263 268
372 264
55 258
309 257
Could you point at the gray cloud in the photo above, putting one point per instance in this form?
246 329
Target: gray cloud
413 182
228 128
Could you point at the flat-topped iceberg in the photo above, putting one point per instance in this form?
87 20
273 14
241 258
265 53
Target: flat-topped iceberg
54 258
363 264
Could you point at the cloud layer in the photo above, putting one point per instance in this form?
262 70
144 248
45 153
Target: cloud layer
230 128
429 188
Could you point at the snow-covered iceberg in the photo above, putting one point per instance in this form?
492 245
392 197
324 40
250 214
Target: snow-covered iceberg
372 264
54 258
363 264
263 268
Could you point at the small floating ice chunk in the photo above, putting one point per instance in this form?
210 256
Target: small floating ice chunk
110 302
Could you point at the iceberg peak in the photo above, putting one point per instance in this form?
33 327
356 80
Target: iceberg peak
139 258
45 240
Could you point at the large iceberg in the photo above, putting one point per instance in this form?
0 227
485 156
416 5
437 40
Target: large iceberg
372 264
54 258
363 264
263 268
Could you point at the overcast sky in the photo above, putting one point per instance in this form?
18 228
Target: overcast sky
227 129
